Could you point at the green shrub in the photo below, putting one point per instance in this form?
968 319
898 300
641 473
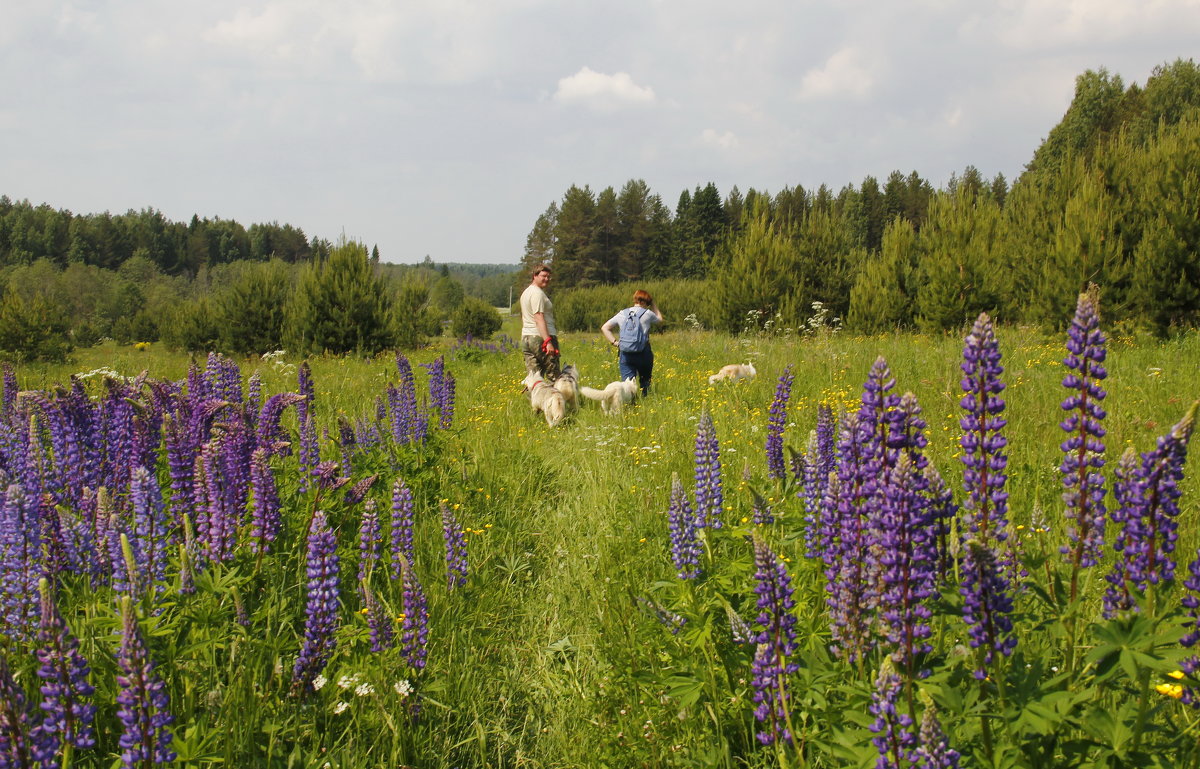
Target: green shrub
476 318
33 330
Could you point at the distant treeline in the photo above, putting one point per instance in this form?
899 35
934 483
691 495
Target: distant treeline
1110 198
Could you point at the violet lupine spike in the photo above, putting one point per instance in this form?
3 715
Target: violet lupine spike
321 608
1117 596
20 563
709 495
685 547
1083 450
447 411
437 377
820 456
402 525
22 745
403 401
672 621
987 604
1152 508
740 631
895 741
8 400
776 639
150 537
943 510
904 543
265 519
776 423
456 548
370 540
1191 602
269 435
347 442
982 441
142 701
64 673
934 751
414 627
378 620
309 453
878 409
761 513
358 491
849 571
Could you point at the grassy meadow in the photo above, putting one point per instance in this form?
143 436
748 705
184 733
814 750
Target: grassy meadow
575 644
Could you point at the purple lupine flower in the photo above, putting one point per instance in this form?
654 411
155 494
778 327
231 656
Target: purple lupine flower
20 563
982 442
150 537
370 540
903 539
309 454
347 443
673 621
358 491
321 609
820 457
223 378
685 547
1191 601
142 702
776 640
740 631
402 525
761 511
414 628
895 740
447 411
217 513
1118 597
942 511
709 495
269 435
1083 450
456 548
776 422
403 403
378 620
265 519
64 673
987 604
934 751
1151 508
22 745
849 583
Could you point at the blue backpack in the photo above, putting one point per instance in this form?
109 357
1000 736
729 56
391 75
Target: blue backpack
633 336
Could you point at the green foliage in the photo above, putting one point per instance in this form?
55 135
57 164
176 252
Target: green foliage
191 327
882 297
33 329
764 276
584 309
250 312
340 306
475 317
960 275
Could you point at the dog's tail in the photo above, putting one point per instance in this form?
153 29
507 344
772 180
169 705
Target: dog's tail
593 393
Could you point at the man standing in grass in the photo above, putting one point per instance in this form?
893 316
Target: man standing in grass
539 337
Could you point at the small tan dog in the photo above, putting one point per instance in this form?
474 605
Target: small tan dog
614 396
568 384
734 371
544 398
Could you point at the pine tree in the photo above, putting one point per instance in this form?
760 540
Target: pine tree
340 306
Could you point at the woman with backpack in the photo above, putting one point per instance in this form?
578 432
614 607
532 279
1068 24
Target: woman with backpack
629 332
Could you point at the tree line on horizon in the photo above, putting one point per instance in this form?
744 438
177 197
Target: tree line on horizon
1108 198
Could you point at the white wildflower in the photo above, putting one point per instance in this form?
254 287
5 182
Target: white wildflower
340 707
345 682
403 687
319 682
362 690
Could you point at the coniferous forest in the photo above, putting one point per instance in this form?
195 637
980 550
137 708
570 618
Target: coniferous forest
1109 198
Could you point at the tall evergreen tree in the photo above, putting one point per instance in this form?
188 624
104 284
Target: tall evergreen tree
340 306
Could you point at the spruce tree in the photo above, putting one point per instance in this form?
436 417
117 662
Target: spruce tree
340 305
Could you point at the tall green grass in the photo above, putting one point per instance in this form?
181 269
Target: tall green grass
550 656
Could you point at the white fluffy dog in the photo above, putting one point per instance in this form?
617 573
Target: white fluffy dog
544 398
734 371
568 384
614 396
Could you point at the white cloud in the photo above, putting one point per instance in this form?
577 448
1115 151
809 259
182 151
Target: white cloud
602 92
1033 24
845 73
726 140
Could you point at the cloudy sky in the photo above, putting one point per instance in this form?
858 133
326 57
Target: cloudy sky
445 127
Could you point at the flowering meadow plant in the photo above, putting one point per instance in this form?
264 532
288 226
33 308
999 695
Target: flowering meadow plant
978 551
